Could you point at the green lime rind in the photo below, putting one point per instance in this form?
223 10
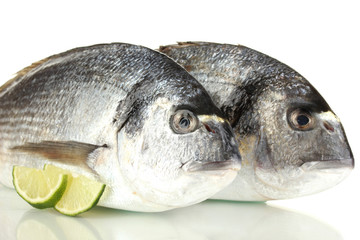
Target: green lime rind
57 188
84 208
25 191
81 194
56 196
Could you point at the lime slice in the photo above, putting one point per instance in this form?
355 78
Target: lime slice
37 187
81 193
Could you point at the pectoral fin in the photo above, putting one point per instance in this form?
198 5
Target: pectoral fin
69 152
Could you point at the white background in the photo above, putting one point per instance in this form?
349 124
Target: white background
320 39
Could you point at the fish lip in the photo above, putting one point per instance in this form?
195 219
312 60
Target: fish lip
198 166
331 164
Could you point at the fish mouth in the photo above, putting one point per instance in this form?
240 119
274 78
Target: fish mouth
197 166
308 178
226 157
327 165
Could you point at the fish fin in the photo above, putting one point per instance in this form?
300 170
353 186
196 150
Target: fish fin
167 48
65 152
21 73
27 69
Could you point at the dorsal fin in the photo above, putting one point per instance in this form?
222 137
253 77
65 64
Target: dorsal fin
167 48
22 73
27 69
7 85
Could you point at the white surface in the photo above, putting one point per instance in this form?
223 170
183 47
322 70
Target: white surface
208 220
320 39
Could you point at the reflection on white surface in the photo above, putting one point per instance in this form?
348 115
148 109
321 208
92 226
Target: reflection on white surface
208 220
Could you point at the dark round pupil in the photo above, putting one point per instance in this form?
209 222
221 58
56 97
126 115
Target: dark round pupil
302 120
184 122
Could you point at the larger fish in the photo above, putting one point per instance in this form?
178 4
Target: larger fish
125 115
291 142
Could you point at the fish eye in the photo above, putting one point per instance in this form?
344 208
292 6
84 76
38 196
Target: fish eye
184 121
301 119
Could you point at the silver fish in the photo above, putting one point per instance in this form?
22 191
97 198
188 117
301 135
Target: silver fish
292 144
125 115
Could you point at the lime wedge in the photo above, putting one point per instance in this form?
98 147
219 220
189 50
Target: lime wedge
37 187
81 193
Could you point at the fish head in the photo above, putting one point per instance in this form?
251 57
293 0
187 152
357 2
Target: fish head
302 147
291 142
178 149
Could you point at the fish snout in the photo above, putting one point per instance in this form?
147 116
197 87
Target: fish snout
330 123
224 155
332 154
342 156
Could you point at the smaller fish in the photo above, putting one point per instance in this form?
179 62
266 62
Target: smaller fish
292 144
125 115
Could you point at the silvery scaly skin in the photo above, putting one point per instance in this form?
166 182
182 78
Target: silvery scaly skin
125 115
291 142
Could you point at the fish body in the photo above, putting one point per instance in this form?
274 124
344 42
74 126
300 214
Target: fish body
292 144
122 114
